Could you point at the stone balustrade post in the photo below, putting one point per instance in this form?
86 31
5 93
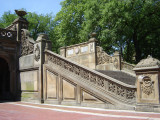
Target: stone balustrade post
116 59
42 44
148 83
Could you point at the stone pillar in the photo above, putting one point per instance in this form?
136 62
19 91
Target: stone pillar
20 23
63 51
117 60
148 81
42 44
92 51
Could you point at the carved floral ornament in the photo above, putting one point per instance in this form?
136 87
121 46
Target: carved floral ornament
147 85
26 46
37 53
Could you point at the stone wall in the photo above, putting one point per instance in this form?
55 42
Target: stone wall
84 53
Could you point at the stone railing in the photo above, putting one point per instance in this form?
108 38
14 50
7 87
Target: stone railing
109 85
127 67
103 57
7 34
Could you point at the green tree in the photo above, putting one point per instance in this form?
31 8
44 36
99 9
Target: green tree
6 19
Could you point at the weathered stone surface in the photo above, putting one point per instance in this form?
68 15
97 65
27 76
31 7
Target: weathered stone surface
29 81
51 85
148 63
26 61
148 91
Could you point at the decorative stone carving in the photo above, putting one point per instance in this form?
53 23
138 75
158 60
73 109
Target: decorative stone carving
93 78
130 94
100 81
76 70
147 85
121 91
8 34
84 74
116 63
27 46
76 50
103 57
37 53
149 62
112 87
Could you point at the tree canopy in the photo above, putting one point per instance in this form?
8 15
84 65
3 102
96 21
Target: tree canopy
130 26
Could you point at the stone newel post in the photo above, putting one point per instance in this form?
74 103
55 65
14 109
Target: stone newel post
117 60
42 44
148 81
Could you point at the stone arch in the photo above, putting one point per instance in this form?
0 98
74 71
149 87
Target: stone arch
5 82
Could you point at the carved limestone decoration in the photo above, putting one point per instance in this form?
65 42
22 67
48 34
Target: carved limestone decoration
93 78
149 62
100 81
120 91
37 53
116 63
103 57
130 94
27 43
76 50
147 85
112 87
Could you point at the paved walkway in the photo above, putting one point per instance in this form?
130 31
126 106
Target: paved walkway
28 111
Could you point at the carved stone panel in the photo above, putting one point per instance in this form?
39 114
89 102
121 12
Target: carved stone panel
147 88
37 53
26 46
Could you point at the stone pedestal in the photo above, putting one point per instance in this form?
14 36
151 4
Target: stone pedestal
148 81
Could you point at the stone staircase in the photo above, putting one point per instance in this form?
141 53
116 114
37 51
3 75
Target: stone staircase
119 94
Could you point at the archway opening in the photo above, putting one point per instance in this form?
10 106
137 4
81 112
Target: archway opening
5 93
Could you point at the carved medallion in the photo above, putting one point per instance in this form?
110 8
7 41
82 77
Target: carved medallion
37 53
77 50
116 63
147 86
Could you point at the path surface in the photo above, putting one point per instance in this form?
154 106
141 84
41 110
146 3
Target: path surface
28 111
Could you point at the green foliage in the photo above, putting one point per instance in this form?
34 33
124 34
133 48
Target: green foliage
6 19
130 26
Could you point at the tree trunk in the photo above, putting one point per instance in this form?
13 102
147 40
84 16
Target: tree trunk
137 47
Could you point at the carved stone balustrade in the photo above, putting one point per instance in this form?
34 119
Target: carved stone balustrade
119 90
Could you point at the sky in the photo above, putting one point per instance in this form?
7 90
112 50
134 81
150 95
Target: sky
38 6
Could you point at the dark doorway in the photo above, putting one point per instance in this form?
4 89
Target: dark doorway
4 80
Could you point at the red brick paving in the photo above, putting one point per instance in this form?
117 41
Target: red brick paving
17 112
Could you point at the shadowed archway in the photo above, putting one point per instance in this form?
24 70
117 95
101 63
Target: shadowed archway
5 93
